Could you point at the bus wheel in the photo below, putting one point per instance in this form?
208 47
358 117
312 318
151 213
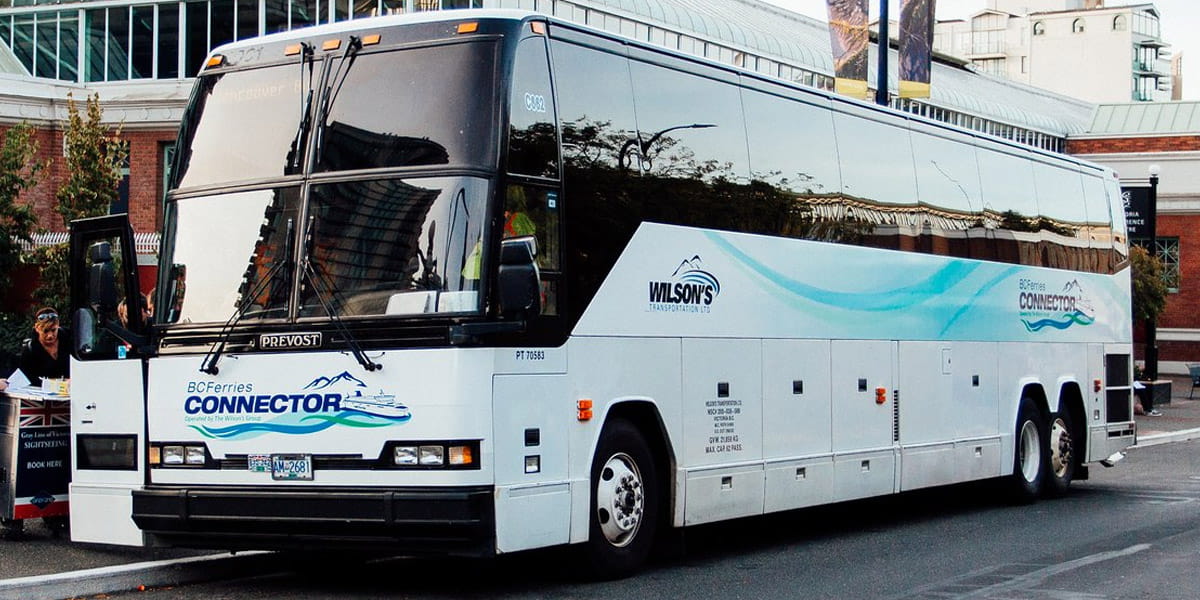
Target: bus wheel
625 500
1029 461
1062 455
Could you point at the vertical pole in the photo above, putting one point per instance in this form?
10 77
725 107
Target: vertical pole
1152 323
881 79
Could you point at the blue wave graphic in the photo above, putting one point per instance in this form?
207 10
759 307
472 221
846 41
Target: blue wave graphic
1076 318
934 285
323 422
703 278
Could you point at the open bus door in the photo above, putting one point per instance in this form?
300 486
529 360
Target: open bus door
107 381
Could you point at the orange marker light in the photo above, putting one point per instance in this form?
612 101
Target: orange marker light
468 27
537 27
331 44
583 409
880 395
370 40
215 61
292 50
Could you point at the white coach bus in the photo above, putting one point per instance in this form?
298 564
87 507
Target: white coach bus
483 281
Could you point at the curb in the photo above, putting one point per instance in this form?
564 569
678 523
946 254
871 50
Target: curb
118 578
1156 439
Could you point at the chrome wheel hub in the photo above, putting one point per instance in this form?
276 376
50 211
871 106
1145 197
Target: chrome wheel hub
620 499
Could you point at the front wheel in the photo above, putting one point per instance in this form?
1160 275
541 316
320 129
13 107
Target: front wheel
1062 455
1029 460
625 502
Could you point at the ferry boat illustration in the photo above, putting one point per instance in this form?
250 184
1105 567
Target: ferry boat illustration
381 404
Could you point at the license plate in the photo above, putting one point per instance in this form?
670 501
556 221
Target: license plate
259 463
291 467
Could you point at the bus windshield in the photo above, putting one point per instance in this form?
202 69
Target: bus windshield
417 107
392 246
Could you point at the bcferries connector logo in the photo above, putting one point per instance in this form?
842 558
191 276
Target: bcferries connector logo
242 410
690 289
1041 307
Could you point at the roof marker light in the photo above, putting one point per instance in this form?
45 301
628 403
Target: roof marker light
215 60
293 50
537 27
370 40
468 27
331 45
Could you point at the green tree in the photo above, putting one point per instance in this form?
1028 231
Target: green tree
1149 284
19 170
94 154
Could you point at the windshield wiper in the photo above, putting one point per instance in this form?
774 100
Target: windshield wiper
301 140
209 364
332 90
325 290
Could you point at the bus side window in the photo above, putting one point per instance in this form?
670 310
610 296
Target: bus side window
532 135
532 210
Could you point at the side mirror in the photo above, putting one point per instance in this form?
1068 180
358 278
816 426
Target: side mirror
177 280
519 284
84 326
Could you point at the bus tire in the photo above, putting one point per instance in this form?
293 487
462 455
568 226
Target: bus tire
1062 457
625 503
1029 454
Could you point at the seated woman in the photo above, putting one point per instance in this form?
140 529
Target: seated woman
45 357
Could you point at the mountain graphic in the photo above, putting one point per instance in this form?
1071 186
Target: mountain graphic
692 263
321 383
1073 286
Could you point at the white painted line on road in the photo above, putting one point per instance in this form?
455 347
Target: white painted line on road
1034 578
104 580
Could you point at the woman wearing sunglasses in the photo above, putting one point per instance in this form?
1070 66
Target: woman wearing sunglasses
44 356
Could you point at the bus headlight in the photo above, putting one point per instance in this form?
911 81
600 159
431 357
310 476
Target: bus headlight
431 454
178 455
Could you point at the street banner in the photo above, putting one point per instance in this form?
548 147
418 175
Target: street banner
848 39
916 42
1139 216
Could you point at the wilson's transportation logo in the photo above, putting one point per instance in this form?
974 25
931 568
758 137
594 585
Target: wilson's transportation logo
1040 308
690 289
240 411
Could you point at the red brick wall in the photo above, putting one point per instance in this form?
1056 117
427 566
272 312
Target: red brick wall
145 177
1177 143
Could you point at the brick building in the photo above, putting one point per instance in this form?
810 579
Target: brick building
1130 138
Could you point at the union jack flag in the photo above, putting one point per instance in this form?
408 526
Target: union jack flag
43 413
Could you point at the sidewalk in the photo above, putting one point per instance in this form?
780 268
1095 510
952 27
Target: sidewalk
1180 420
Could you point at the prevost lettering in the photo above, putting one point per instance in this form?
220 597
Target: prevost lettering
681 293
289 340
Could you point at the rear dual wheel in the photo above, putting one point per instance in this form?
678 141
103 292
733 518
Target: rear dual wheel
1062 458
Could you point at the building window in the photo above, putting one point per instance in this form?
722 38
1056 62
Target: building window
1039 28
1168 253
1077 26
1119 23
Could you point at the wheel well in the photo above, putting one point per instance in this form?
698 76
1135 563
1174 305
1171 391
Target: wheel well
1034 392
1070 399
645 417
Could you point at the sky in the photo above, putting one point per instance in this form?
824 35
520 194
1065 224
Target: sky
1179 18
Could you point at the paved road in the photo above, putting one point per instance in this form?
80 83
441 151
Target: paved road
1129 532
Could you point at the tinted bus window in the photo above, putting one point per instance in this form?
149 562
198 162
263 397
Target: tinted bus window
438 106
793 162
951 201
876 161
691 149
595 104
1063 216
1099 229
532 139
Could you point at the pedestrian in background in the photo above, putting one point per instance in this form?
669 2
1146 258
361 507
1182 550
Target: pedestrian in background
43 356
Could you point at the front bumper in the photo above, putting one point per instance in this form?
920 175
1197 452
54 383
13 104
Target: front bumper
458 520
